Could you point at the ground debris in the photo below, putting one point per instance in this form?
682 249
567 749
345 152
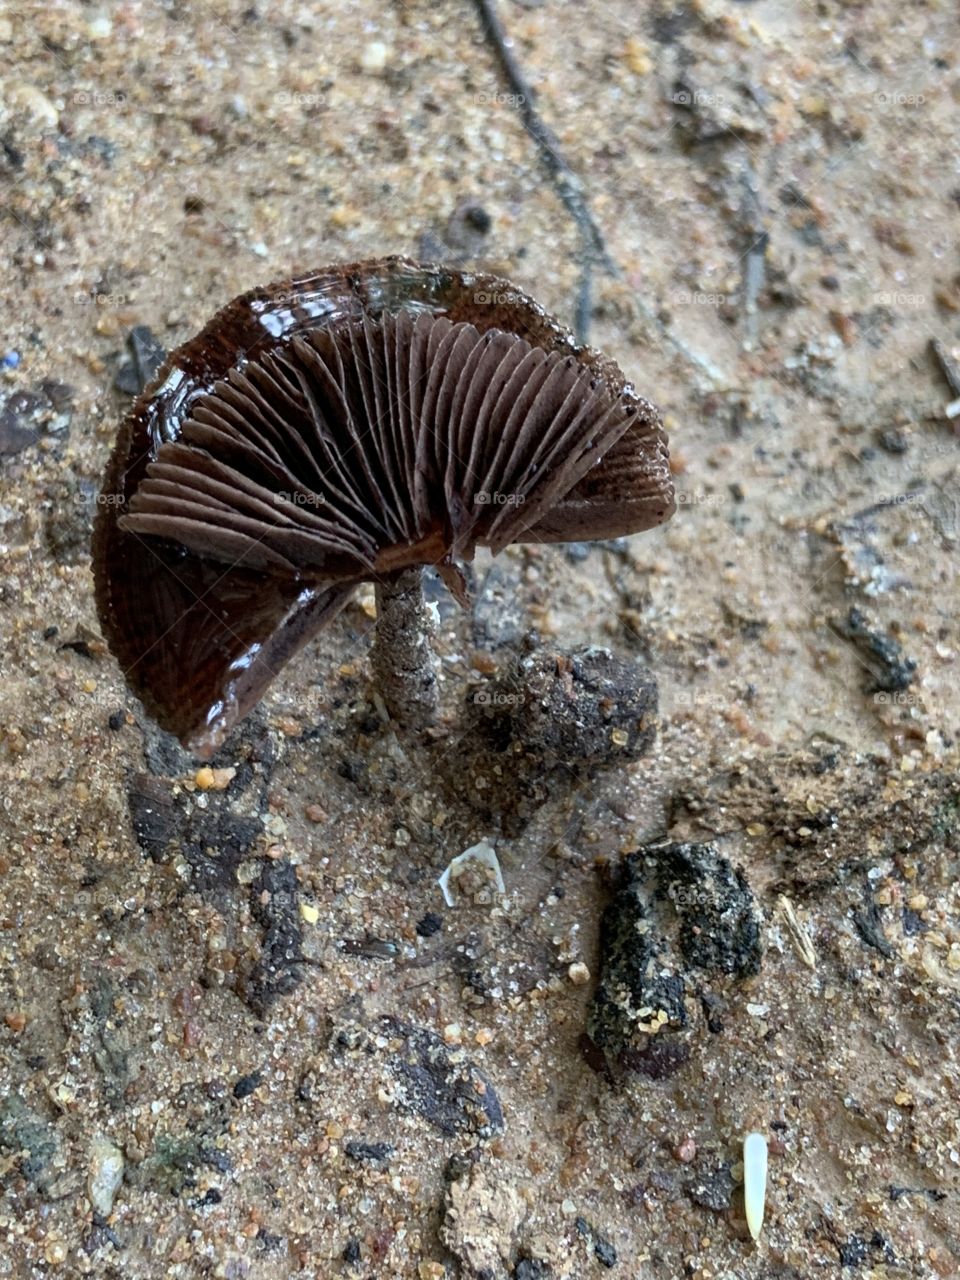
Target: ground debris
888 669
441 1084
550 714
481 1219
146 357
677 909
34 1141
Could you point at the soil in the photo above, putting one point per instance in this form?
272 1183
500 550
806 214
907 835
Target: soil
241 1032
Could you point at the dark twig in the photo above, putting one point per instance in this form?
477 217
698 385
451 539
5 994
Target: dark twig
593 249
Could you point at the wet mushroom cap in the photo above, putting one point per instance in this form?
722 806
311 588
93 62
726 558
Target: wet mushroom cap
329 430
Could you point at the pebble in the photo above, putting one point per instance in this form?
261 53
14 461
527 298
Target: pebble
100 27
375 56
579 974
105 1176
685 1150
208 779
36 104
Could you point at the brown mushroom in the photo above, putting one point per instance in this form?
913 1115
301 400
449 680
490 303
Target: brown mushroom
348 426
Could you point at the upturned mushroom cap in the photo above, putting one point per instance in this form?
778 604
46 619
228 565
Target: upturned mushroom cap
331 429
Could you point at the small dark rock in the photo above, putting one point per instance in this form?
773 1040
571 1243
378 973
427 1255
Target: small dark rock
429 925
25 416
854 1252
869 925
478 218
718 915
116 720
273 904
604 1252
267 1241
373 1152
531 1269
147 355
248 1084
548 714
890 671
893 441
351 1251
712 1189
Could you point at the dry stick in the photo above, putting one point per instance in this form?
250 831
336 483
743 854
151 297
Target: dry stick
593 248
402 658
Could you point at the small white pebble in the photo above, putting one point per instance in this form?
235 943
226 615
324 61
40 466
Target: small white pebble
579 974
754 1180
105 1174
375 56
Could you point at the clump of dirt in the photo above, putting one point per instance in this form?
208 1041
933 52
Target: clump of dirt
549 720
681 916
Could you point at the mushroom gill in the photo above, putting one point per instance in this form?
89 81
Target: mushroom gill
340 428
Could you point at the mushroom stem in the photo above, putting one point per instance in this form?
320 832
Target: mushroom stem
403 661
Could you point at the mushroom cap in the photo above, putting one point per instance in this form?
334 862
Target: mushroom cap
333 428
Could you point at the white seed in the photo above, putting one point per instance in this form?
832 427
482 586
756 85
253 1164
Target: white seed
754 1180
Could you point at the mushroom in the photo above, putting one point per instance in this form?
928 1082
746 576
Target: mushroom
352 425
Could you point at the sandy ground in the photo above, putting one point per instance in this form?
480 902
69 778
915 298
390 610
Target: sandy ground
411 1096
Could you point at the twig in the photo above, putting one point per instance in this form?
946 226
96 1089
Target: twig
593 248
